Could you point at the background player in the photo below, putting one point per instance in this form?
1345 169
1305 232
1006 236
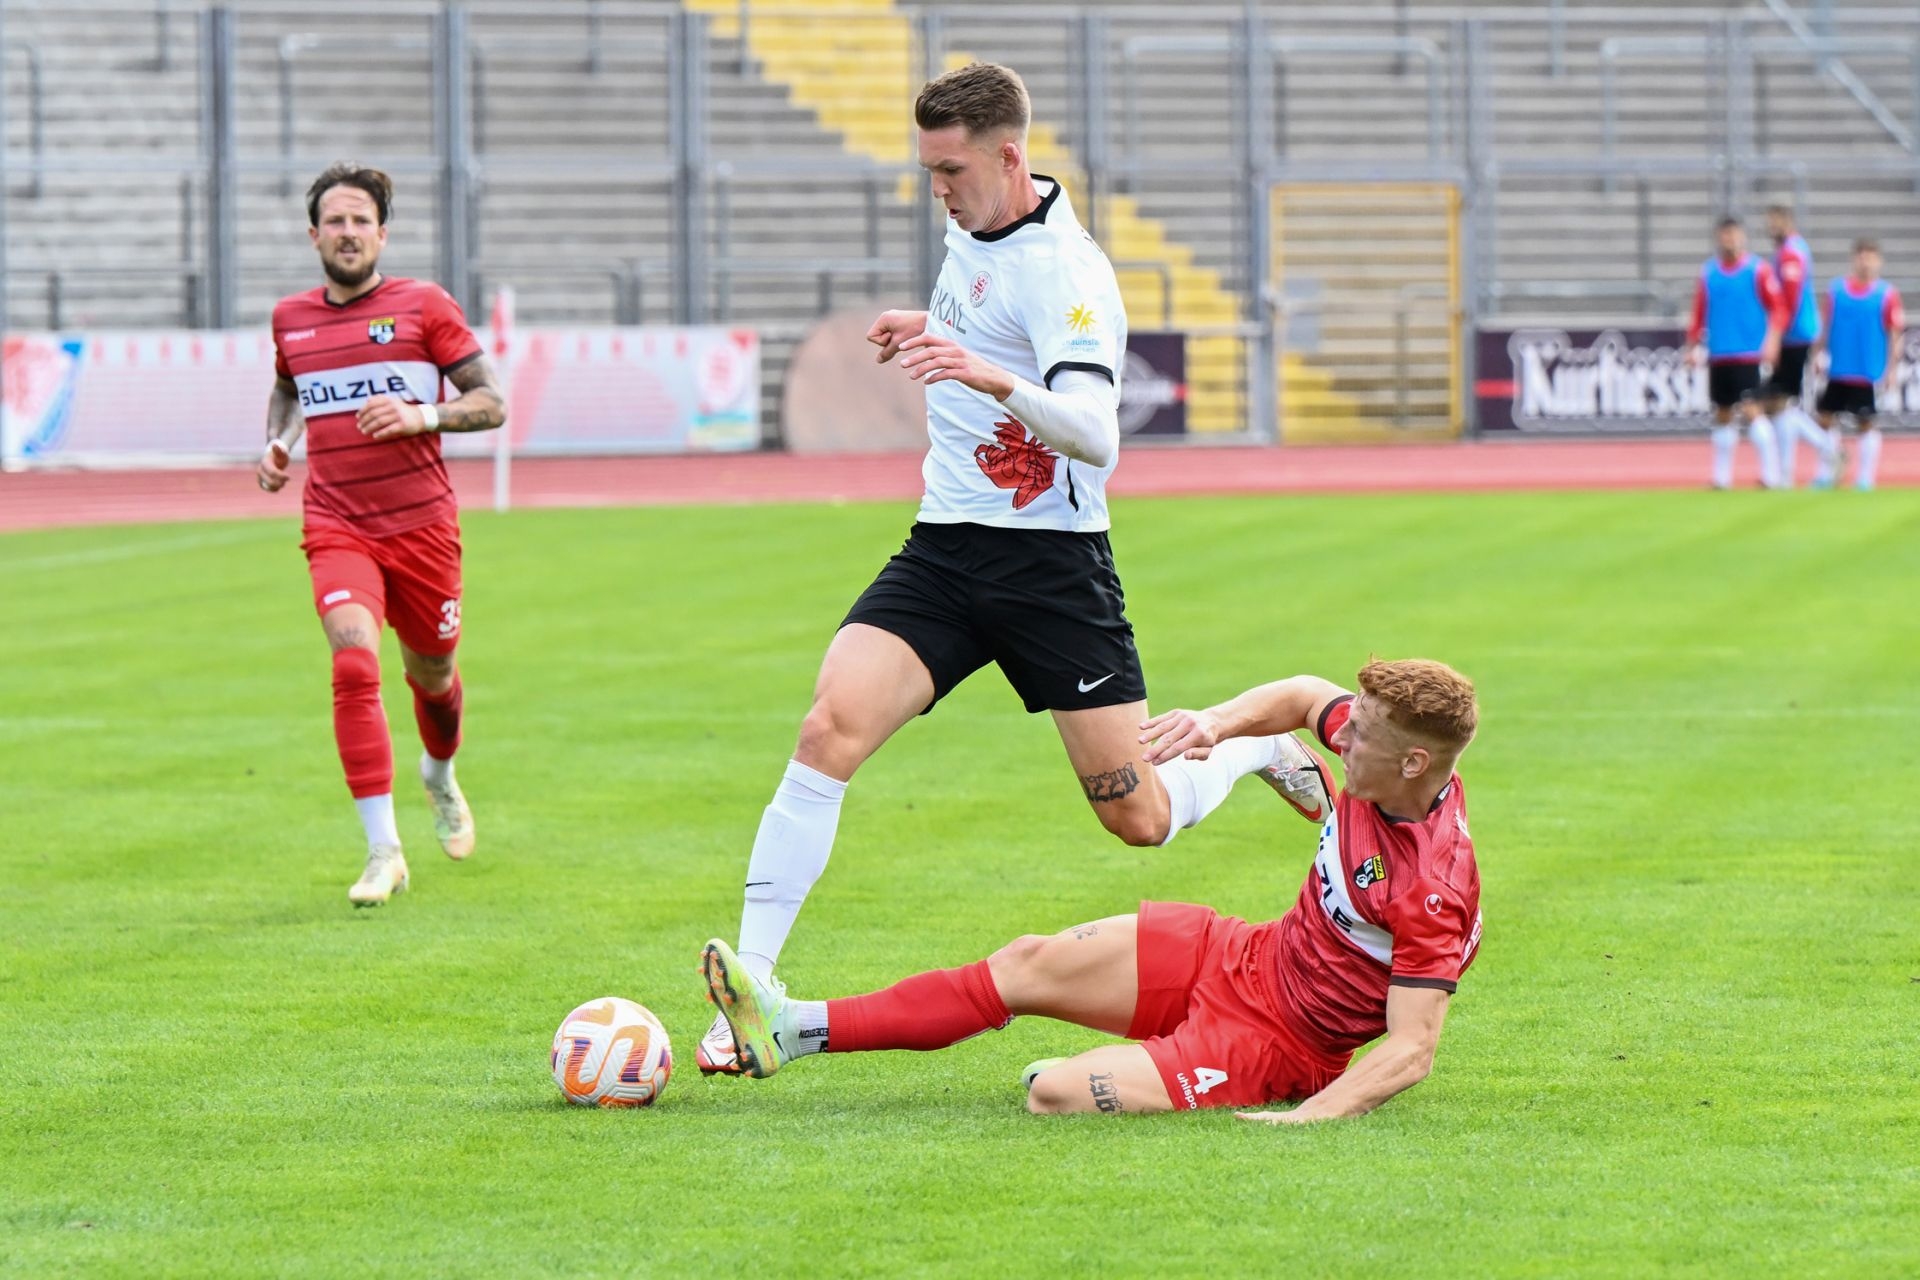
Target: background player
1228 1014
1008 562
1793 269
362 357
1862 335
1737 309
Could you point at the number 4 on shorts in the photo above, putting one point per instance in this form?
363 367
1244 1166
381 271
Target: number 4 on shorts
1206 1077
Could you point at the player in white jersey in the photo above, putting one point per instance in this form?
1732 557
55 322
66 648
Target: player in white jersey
1020 352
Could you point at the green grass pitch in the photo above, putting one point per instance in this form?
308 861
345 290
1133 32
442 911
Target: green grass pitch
1688 1046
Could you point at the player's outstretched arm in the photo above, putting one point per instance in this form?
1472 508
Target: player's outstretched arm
480 406
1280 707
284 426
1397 1063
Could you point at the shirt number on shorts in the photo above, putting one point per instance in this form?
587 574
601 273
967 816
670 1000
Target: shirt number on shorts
449 618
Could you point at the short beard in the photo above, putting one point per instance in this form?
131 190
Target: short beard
349 279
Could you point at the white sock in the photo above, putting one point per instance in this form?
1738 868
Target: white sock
1869 458
1724 438
1195 788
437 774
789 853
810 1022
1760 432
1829 446
376 815
1786 440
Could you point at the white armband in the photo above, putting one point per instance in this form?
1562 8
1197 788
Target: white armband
431 415
1079 417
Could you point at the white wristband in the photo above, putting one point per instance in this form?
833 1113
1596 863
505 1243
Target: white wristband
431 415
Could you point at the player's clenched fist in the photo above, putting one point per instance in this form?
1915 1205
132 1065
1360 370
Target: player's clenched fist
893 328
1173 734
272 472
385 418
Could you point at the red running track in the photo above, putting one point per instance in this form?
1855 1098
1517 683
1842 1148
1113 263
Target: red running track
43 499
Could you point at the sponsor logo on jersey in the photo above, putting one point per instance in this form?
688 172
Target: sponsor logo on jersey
1433 904
298 335
1370 872
344 390
1080 319
381 330
978 294
1337 902
946 309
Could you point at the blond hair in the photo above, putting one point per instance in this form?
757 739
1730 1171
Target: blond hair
984 97
1426 698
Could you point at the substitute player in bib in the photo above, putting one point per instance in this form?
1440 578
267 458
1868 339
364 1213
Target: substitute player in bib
1862 335
1227 1014
1738 311
1008 562
1793 270
360 363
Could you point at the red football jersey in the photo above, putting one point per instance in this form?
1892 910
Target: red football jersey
397 340
1389 900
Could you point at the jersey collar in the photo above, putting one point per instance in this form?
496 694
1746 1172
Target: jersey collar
1039 214
353 302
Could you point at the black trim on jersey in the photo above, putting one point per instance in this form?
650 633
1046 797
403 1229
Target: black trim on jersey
1430 984
461 363
1039 214
1431 809
1071 500
1081 365
1320 725
342 306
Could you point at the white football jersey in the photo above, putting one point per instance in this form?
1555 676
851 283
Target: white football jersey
1035 298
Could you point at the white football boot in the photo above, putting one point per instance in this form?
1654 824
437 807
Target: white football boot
716 1055
386 875
1300 777
759 1012
1033 1070
452 820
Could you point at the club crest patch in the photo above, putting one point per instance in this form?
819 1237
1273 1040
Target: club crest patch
978 294
381 330
1370 872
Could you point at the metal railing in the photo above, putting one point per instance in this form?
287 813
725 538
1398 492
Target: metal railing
36 113
625 277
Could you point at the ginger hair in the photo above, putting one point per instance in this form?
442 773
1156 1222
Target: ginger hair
1428 699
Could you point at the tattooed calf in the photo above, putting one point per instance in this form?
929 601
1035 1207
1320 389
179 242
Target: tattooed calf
1106 1095
1117 785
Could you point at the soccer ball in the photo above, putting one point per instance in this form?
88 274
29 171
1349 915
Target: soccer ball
611 1053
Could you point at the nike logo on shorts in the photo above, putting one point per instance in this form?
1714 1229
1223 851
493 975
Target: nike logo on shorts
1086 687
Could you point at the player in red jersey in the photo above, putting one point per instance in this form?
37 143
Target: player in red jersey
360 363
1227 1014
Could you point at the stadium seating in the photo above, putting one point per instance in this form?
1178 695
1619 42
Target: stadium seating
575 208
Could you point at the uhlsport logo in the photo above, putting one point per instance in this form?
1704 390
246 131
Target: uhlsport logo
1205 1078
1370 872
381 330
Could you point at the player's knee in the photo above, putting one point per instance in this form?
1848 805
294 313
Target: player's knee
1053 1093
1016 966
433 674
1138 825
356 673
827 741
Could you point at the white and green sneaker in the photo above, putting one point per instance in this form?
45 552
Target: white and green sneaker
759 1012
1035 1068
386 875
452 820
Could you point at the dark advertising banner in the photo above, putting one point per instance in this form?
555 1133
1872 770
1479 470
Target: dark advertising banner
1547 379
1153 387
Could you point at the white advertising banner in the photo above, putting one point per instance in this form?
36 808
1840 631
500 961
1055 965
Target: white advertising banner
183 396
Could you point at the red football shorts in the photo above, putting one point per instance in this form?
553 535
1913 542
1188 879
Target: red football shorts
1206 1014
411 579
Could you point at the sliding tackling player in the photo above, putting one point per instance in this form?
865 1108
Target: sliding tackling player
1227 1014
360 363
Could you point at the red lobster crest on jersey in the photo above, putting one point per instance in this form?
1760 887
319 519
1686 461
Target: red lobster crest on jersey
1388 901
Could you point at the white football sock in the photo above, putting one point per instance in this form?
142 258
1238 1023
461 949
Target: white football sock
1724 438
437 774
1869 459
789 853
1195 788
376 815
809 1021
1760 432
1787 441
1829 446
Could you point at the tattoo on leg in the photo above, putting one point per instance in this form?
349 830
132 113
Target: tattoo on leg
1106 1095
1081 932
1117 785
349 638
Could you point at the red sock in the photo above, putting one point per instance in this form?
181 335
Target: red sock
360 723
926 1011
438 715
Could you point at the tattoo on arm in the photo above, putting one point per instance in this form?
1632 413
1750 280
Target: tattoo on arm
481 406
1081 932
285 422
1106 1094
1117 785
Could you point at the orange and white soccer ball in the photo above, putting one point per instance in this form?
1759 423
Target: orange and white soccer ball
611 1053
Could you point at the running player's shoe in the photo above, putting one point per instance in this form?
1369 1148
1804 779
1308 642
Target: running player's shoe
1301 778
716 1055
758 1012
386 875
1035 1068
452 820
